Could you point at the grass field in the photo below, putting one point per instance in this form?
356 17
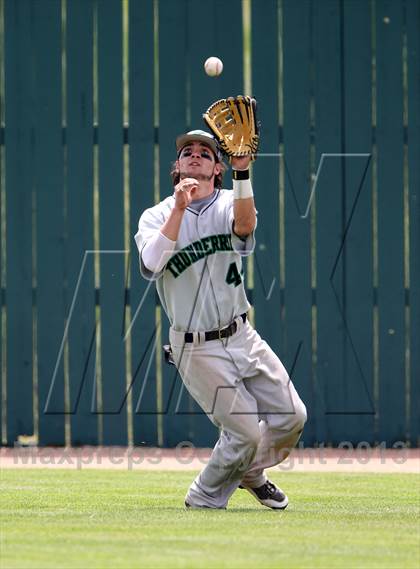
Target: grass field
107 519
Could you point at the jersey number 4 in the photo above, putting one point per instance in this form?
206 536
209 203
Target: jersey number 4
233 277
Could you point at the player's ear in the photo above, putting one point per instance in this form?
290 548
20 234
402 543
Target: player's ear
217 168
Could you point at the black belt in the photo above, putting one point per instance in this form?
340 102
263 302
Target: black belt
216 334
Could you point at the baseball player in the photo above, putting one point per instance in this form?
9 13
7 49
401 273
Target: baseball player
192 244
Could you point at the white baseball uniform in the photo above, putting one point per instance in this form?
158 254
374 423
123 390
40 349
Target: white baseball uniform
237 380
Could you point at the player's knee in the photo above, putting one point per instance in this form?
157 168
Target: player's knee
299 417
252 438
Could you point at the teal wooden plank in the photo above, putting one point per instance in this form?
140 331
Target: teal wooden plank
79 183
231 82
266 295
329 222
209 40
203 42
142 295
413 51
3 336
3 379
18 178
390 221
172 121
3 348
355 257
296 129
49 219
111 205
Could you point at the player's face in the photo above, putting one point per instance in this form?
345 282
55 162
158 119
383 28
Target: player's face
197 161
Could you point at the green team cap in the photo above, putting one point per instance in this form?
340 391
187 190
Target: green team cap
201 136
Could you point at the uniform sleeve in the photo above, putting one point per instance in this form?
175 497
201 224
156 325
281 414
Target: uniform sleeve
243 245
154 248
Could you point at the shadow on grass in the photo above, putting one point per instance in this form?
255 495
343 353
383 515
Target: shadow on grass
214 511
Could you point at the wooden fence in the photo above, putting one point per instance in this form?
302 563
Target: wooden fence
93 94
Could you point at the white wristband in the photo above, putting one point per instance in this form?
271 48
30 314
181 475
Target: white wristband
242 189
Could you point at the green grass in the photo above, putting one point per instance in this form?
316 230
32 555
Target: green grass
101 519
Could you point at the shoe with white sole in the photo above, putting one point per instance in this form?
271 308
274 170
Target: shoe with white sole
269 495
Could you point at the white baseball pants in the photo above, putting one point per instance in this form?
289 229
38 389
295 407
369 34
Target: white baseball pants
243 387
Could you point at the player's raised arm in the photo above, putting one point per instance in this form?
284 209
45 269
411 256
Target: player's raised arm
234 124
243 204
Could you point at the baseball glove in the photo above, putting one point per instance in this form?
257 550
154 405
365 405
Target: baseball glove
233 122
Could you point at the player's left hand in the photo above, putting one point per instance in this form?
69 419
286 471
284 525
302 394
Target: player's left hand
240 162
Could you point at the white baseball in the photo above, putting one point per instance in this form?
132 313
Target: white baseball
213 66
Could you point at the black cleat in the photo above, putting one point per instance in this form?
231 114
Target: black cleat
269 495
